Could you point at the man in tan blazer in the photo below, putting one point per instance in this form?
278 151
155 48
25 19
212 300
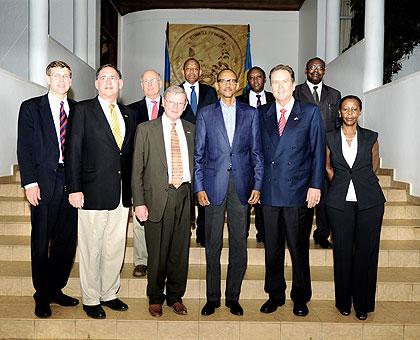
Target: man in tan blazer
161 184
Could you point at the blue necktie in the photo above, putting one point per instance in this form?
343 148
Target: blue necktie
193 100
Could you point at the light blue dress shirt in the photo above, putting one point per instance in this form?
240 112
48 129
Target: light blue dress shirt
229 116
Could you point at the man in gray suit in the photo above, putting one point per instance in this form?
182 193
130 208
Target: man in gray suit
327 98
161 185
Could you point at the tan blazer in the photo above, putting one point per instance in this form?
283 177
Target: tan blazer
149 180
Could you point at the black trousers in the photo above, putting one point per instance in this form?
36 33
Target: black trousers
356 236
259 221
168 246
289 224
200 230
237 227
53 242
323 228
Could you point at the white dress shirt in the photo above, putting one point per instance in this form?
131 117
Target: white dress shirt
107 111
349 153
187 88
150 105
318 90
253 98
288 107
167 127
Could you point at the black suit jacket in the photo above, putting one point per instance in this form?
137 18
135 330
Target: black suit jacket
37 145
207 95
244 98
140 110
328 105
366 183
94 163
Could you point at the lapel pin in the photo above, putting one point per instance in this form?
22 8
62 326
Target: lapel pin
296 118
125 116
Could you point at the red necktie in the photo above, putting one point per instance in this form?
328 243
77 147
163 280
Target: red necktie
154 109
63 126
282 121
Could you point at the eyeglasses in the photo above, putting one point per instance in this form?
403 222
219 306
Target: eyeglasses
227 81
173 104
60 76
316 67
106 78
150 81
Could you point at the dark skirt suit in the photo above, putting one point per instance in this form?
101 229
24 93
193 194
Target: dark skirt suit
356 226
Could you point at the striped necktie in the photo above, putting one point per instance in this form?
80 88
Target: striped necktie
177 171
115 126
282 121
63 127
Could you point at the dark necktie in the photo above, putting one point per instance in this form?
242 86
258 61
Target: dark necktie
193 100
315 94
258 100
63 126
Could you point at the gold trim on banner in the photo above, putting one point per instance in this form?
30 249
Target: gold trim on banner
216 47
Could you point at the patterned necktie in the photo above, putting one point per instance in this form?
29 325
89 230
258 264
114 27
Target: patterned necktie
176 158
63 126
115 126
193 100
315 94
154 109
258 100
282 121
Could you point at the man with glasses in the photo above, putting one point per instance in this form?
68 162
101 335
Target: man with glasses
149 108
161 184
327 98
98 177
228 172
41 143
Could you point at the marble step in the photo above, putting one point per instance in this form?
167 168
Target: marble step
391 254
391 320
394 284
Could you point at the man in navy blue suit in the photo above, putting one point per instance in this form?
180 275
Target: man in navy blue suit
42 129
293 141
228 172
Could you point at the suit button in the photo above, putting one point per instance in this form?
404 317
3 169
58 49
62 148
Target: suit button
289 163
119 172
272 162
120 153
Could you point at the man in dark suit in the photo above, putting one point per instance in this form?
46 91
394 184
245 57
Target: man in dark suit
327 98
293 143
40 151
98 171
150 107
198 95
228 172
256 97
161 183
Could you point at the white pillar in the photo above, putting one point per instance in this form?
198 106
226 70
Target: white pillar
80 28
374 44
332 47
38 40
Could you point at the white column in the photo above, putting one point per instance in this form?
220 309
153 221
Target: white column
374 44
333 30
38 40
80 29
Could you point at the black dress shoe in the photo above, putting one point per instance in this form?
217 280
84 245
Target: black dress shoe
300 309
209 307
115 304
323 243
235 307
361 315
42 310
94 312
270 306
64 300
344 311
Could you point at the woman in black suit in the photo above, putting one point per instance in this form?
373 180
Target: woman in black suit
355 208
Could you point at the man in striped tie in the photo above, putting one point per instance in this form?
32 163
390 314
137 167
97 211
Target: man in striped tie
293 143
42 131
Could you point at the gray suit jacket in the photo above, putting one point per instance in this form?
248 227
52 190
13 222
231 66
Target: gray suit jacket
150 179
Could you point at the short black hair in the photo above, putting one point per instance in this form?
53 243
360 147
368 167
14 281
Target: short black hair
108 65
191 59
256 68
227 69
314 59
350 96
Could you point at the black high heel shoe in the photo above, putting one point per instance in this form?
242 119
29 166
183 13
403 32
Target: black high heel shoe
361 315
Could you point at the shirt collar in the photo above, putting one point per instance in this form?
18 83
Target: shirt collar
311 86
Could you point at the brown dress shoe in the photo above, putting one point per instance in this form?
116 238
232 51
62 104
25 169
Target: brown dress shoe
179 308
139 270
155 309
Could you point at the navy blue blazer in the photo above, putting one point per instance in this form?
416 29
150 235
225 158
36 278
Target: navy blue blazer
37 145
294 162
215 159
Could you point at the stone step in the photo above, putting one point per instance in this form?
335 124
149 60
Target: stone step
391 254
391 320
394 284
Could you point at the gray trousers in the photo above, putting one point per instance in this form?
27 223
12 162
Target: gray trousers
237 227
